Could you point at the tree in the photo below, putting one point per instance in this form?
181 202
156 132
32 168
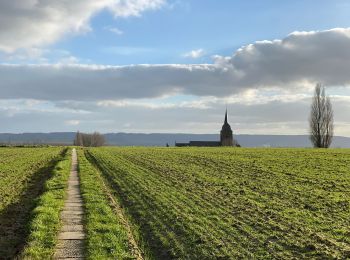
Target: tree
321 119
89 140
97 139
78 141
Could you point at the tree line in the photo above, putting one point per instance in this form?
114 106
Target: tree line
89 140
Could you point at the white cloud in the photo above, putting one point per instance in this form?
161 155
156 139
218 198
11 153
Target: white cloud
96 82
40 56
302 58
72 122
294 64
29 54
194 54
276 116
114 30
125 8
266 86
155 103
68 60
32 23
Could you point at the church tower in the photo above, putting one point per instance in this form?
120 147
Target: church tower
226 137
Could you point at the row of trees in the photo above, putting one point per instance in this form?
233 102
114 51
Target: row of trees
321 119
89 140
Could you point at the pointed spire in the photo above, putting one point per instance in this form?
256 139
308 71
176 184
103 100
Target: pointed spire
226 116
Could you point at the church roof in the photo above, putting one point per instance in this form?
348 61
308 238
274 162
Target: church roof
225 138
204 143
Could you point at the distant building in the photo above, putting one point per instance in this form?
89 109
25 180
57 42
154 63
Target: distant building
226 138
199 143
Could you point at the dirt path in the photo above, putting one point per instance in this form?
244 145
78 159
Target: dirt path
71 237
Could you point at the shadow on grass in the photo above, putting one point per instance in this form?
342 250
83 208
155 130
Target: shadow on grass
14 219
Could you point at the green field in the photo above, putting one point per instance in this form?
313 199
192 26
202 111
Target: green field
180 203
224 203
23 172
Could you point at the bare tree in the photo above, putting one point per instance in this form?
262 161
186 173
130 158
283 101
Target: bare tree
321 119
97 139
89 140
86 140
78 141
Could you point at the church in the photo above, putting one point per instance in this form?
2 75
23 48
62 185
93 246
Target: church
226 138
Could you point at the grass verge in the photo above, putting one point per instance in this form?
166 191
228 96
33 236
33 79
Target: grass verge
107 236
23 174
133 225
45 223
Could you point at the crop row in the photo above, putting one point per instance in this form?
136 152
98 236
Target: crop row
234 203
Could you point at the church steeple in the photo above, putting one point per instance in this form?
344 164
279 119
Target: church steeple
226 136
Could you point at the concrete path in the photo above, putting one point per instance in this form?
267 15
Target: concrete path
71 237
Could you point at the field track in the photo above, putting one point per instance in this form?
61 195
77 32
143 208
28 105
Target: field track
71 237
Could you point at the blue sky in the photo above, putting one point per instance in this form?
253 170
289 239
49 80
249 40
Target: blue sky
217 27
171 65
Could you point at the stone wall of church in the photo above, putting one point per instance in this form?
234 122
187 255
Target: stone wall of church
227 141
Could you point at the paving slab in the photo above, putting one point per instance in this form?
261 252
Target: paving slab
68 235
71 228
74 199
70 217
70 243
73 204
69 253
77 211
73 208
73 221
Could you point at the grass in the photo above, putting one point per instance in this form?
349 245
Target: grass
107 235
227 203
23 172
46 223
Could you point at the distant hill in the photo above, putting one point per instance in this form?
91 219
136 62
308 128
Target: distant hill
127 139
38 138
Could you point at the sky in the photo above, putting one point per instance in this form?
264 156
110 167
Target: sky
171 66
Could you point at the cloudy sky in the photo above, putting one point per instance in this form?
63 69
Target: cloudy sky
171 65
